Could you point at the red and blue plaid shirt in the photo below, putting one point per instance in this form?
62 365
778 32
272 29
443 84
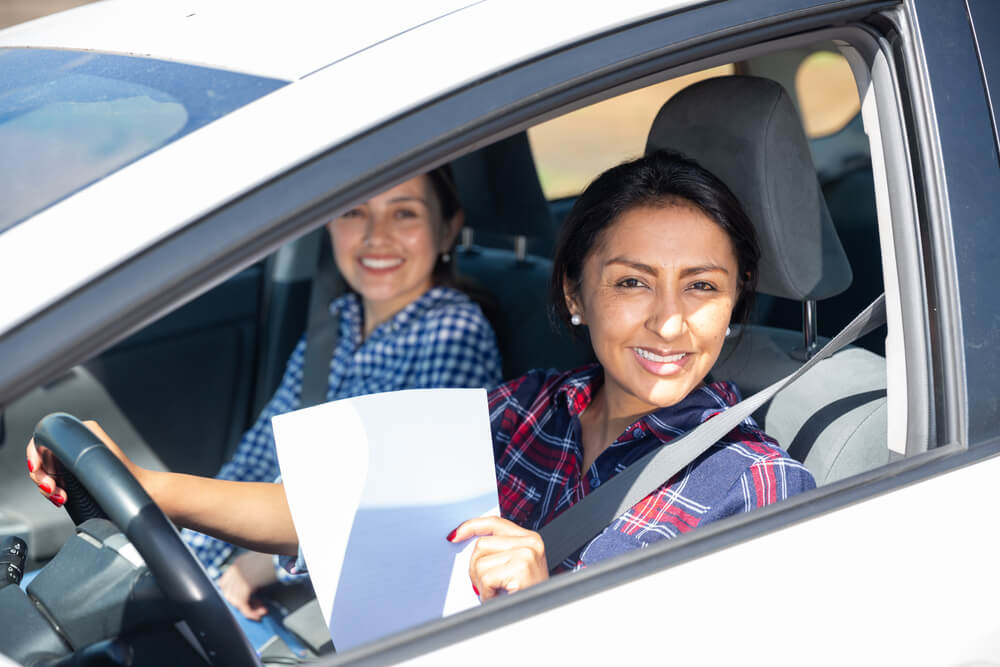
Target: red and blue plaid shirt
536 435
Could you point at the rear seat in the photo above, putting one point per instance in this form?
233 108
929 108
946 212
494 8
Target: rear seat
504 205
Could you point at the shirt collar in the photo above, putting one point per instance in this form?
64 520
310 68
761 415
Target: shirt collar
348 307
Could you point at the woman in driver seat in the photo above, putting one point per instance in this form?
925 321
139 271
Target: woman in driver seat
657 259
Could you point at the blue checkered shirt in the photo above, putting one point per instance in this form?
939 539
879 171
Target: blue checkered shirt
440 340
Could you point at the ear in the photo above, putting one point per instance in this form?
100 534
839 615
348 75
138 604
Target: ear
451 229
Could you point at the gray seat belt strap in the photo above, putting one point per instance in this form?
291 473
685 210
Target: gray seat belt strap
595 511
323 328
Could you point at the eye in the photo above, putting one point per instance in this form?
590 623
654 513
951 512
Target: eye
702 286
405 213
353 213
630 283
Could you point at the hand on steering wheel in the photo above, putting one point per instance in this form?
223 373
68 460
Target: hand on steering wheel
88 472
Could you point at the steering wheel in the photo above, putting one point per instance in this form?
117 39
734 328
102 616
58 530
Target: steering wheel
96 480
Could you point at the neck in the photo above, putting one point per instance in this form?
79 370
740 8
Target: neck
603 421
377 312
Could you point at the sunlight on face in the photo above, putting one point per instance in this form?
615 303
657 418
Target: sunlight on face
386 247
657 293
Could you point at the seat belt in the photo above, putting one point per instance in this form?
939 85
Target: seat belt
322 328
577 525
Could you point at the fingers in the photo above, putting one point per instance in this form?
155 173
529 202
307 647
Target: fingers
507 564
239 594
44 468
485 525
42 465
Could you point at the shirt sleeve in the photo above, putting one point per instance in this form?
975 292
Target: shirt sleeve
765 482
459 350
255 459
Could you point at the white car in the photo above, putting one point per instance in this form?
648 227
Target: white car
164 166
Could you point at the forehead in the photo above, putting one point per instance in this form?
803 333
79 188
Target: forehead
417 187
658 234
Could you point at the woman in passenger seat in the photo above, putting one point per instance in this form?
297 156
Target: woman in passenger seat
657 259
403 325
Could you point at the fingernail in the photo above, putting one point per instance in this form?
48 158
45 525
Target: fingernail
451 535
57 501
46 489
475 590
31 466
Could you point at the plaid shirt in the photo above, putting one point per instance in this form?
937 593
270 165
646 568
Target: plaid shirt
536 427
535 424
439 340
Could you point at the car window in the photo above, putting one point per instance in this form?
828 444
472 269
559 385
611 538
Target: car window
572 149
69 118
827 93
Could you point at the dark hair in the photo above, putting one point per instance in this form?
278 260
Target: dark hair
662 178
442 182
445 273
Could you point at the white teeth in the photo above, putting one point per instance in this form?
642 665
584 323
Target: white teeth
645 354
372 263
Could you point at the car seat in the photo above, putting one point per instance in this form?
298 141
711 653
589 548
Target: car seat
746 131
505 206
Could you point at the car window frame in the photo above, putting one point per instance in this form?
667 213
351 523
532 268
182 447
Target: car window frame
147 286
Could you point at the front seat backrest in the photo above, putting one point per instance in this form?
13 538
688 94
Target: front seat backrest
746 131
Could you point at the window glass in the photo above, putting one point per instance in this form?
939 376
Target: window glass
827 93
68 119
571 150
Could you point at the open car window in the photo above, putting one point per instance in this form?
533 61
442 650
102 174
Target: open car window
871 169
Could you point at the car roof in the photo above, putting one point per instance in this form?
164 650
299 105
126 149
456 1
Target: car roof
384 70
285 40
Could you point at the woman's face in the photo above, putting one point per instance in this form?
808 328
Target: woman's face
386 247
657 293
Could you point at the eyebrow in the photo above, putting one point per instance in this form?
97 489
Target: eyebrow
646 268
405 198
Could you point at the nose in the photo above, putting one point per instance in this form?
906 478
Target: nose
666 317
376 228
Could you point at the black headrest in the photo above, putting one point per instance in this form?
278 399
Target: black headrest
500 191
746 131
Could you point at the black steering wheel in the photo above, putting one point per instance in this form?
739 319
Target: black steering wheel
96 480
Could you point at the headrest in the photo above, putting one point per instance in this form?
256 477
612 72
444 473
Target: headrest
746 131
500 191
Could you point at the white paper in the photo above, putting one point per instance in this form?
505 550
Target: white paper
375 484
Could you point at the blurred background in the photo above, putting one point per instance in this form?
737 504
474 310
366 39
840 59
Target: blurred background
19 11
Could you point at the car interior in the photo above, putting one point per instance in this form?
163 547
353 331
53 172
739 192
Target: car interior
179 393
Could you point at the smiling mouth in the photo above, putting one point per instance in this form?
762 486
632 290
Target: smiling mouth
380 264
658 358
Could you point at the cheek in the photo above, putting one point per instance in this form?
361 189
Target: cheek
419 241
346 237
611 316
711 320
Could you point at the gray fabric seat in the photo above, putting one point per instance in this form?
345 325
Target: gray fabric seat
746 130
505 207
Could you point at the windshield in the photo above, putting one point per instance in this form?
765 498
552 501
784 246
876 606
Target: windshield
68 118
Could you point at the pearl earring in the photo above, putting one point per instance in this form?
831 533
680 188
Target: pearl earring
576 320
445 257
729 331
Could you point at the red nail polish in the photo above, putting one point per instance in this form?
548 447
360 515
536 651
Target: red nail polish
46 489
31 466
57 501
475 590
451 535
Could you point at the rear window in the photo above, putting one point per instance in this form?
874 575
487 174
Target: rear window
67 119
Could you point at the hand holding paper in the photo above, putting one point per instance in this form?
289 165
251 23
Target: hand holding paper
375 483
